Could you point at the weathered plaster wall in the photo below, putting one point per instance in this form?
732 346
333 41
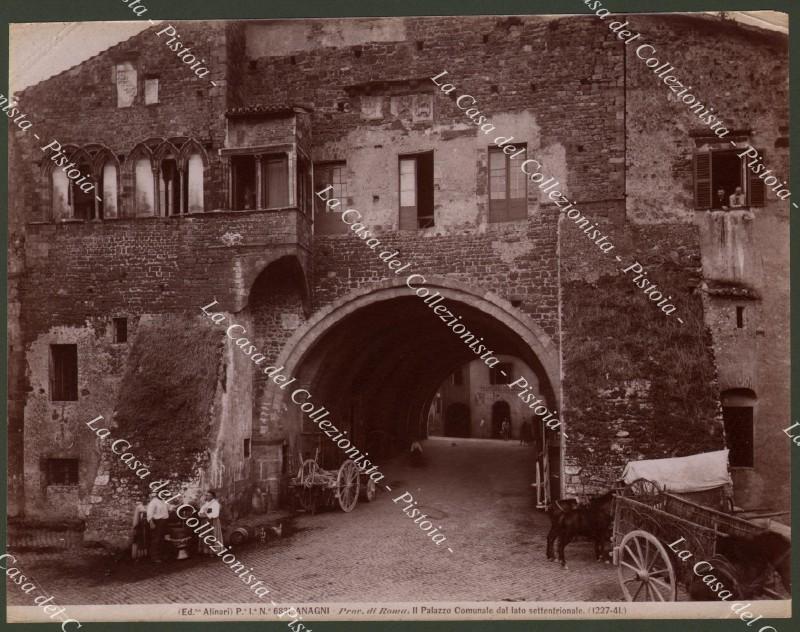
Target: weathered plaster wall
741 72
57 429
756 356
575 94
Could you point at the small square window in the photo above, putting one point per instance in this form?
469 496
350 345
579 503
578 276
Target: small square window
151 90
61 471
64 373
120 330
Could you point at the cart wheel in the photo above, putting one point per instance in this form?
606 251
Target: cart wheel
645 570
643 487
306 491
347 486
369 490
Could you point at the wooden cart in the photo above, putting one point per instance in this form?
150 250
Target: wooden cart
647 520
315 487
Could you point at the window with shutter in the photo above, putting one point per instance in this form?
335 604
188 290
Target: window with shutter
702 180
416 191
756 190
507 187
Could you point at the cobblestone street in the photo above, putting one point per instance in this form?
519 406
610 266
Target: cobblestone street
478 490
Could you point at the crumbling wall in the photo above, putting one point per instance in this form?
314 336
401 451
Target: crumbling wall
638 384
167 411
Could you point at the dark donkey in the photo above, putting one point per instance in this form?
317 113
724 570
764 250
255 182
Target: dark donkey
568 520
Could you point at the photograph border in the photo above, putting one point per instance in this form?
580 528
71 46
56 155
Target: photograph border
23 11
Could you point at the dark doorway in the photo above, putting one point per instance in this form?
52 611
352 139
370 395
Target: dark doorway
501 412
456 423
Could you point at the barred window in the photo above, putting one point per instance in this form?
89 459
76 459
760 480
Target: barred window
61 471
64 373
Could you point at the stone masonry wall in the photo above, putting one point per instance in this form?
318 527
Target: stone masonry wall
571 80
79 106
515 260
740 71
637 383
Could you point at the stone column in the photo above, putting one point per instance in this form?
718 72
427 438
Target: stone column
259 183
181 176
156 189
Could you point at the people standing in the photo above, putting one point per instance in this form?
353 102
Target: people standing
210 510
720 200
139 534
505 430
157 516
737 198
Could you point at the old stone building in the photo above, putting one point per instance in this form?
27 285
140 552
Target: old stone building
475 400
205 193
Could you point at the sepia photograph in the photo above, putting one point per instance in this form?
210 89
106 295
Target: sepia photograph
399 318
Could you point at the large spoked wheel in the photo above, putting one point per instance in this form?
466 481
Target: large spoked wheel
643 487
645 570
305 487
347 486
369 490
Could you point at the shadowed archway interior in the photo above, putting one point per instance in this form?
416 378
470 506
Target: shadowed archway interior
377 370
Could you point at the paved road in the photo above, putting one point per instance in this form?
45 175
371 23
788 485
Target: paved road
476 489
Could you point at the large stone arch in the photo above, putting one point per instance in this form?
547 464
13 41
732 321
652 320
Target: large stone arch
489 302
521 335
249 266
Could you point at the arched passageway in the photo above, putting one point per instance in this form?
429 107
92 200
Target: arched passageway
376 359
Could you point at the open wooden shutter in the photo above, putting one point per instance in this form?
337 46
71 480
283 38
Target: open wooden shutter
756 191
408 193
702 180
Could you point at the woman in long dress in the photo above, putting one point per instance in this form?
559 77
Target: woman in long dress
210 510
139 535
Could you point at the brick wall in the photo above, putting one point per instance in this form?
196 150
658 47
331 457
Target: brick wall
513 260
79 106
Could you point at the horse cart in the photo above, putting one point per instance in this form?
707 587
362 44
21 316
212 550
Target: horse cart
315 487
649 515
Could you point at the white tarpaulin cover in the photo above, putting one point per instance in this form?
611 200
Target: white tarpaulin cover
695 473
